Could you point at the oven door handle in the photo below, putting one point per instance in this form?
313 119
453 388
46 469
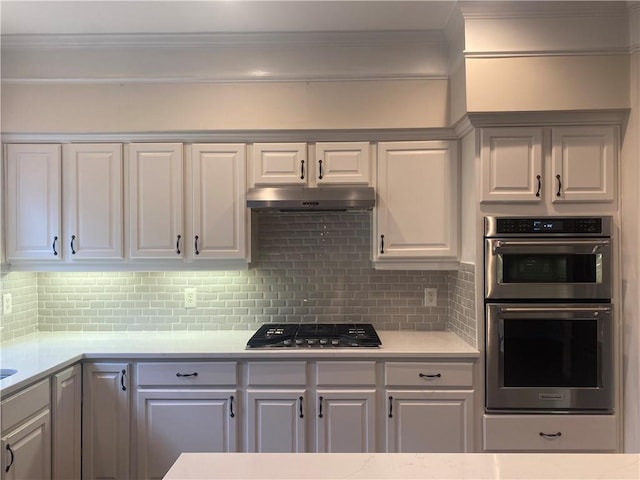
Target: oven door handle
553 309
594 244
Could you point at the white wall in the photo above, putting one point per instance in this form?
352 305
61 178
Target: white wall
225 106
630 161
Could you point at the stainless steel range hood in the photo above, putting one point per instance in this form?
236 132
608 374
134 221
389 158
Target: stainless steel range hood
309 199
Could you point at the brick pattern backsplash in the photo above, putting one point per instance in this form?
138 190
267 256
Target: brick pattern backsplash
462 304
311 267
23 318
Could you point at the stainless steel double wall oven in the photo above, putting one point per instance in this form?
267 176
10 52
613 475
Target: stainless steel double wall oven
548 313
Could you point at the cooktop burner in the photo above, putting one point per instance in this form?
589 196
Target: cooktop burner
315 335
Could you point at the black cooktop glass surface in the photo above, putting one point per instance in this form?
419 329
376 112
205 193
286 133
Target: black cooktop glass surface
318 335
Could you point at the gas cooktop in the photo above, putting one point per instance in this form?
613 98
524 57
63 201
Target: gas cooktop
314 335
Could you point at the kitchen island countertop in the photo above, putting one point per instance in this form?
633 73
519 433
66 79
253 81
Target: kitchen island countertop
404 466
40 354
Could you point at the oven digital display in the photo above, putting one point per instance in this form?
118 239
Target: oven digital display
548 226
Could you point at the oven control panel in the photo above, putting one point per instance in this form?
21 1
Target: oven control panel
562 226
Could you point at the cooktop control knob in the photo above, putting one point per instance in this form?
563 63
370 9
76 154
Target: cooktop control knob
323 341
334 341
312 341
299 341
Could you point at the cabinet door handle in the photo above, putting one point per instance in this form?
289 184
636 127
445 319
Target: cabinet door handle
301 169
53 246
390 407
320 169
429 375
194 374
6 470
381 244
231 414
301 400
539 178
559 192
122 378
73 250
178 244
196 245
320 407
550 435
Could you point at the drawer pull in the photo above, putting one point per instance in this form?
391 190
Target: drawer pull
194 374
430 375
550 435
6 470
122 378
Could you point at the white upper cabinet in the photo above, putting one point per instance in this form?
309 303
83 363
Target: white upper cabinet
417 206
34 202
156 226
217 191
511 161
325 163
579 166
343 163
92 198
583 162
280 164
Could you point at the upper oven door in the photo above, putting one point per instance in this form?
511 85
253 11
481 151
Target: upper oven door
545 268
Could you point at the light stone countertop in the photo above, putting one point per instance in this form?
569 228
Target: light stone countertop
40 354
404 466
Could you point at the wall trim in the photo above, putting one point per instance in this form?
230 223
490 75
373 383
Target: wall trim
238 136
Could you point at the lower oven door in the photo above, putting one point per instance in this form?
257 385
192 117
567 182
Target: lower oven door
549 357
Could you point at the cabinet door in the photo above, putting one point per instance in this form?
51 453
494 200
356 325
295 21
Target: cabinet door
67 427
174 421
584 164
33 202
218 193
27 450
156 201
280 164
92 201
345 421
417 212
105 421
429 421
511 165
276 421
343 162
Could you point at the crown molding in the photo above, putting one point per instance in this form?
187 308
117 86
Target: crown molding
549 118
300 39
539 9
549 53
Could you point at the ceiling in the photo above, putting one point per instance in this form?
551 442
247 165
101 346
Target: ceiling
24 17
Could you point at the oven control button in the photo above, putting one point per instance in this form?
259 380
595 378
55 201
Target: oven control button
299 341
324 341
287 342
312 341
334 341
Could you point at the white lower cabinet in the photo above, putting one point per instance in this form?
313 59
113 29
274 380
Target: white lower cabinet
429 407
26 434
182 407
429 421
106 421
66 439
551 433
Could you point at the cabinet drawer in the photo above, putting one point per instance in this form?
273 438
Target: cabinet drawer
429 374
514 433
187 373
24 404
276 373
346 373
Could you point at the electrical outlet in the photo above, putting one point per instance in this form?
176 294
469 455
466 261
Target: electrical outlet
7 305
190 298
430 297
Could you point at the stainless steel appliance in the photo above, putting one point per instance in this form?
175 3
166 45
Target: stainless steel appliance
314 335
548 314
549 357
548 258
311 199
